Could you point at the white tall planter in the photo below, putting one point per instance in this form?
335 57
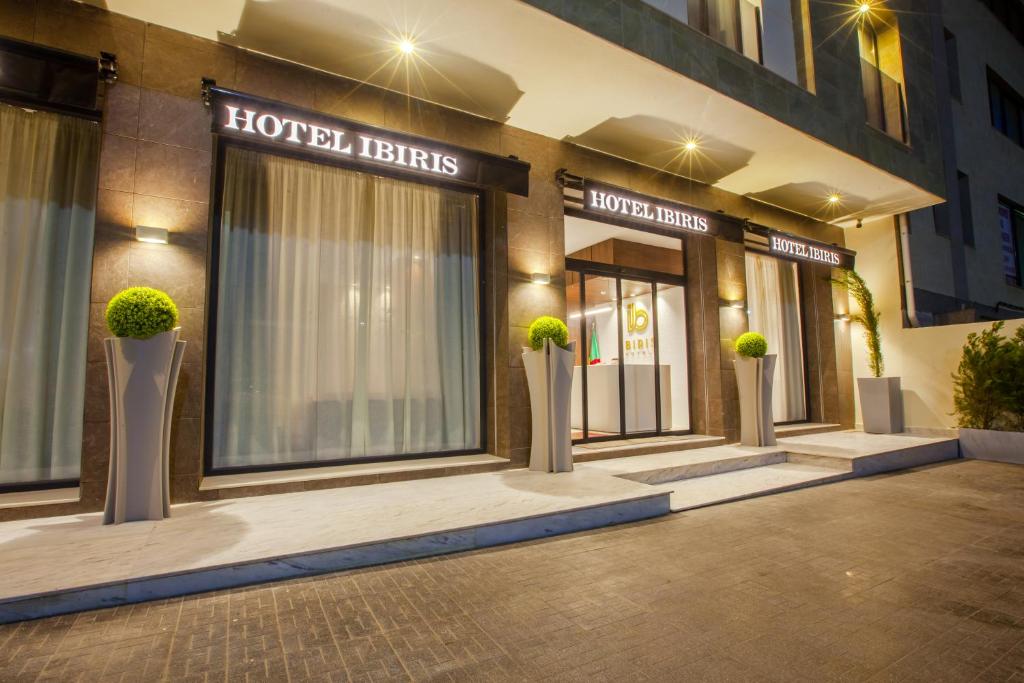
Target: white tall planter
549 375
754 377
881 404
143 374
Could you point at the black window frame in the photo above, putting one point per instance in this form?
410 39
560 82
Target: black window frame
1009 13
1005 103
1017 237
486 207
653 278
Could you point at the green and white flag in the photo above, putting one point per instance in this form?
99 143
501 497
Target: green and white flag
595 349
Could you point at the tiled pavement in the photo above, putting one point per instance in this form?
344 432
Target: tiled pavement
917 576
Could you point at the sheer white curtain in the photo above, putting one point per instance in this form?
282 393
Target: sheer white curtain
48 174
347 322
773 298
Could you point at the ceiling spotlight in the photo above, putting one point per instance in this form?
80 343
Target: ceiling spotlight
690 145
406 46
864 7
834 198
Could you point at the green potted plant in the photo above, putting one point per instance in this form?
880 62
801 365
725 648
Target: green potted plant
549 366
143 361
881 398
755 371
988 396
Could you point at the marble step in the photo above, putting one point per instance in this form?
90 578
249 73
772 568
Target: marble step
687 494
607 450
704 464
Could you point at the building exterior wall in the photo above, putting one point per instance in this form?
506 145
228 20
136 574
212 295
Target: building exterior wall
924 358
957 281
829 109
156 168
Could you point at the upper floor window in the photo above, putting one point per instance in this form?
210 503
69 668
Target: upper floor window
1011 227
952 64
1007 108
763 30
881 61
1010 13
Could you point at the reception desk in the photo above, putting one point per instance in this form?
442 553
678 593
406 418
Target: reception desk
603 393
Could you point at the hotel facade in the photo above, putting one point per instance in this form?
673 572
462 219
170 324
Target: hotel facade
360 207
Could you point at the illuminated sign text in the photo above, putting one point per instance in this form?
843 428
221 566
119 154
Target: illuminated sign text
332 140
810 252
644 210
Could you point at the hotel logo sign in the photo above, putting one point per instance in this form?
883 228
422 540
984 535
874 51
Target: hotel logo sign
636 318
636 208
785 245
330 139
321 138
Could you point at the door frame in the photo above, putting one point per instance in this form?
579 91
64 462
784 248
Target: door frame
620 273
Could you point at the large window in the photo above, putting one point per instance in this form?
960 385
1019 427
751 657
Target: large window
773 299
1010 14
1006 107
347 317
763 30
48 173
881 60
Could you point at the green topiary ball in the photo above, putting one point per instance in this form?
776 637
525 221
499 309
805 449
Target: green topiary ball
752 345
546 327
141 312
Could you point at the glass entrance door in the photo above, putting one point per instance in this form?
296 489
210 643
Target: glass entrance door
629 379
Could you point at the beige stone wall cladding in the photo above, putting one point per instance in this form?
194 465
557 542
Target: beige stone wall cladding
156 170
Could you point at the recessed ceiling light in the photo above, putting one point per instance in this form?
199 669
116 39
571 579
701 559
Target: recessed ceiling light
834 198
864 8
406 46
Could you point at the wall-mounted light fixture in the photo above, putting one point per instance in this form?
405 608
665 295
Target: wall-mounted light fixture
540 279
843 317
145 233
738 304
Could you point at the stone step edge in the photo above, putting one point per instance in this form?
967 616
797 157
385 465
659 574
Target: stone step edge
699 470
594 454
824 479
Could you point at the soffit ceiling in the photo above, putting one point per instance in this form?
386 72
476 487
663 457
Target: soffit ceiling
510 62
581 233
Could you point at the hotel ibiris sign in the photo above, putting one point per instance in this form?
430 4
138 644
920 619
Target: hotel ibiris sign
791 246
631 207
245 117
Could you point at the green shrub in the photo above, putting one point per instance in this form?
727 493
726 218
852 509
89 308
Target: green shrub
752 345
1014 382
986 391
868 317
141 312
547 327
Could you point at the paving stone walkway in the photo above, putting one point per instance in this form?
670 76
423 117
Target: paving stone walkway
917 576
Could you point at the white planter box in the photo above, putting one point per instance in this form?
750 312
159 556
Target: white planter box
989 444
143 374
754 377
881 404
549 375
